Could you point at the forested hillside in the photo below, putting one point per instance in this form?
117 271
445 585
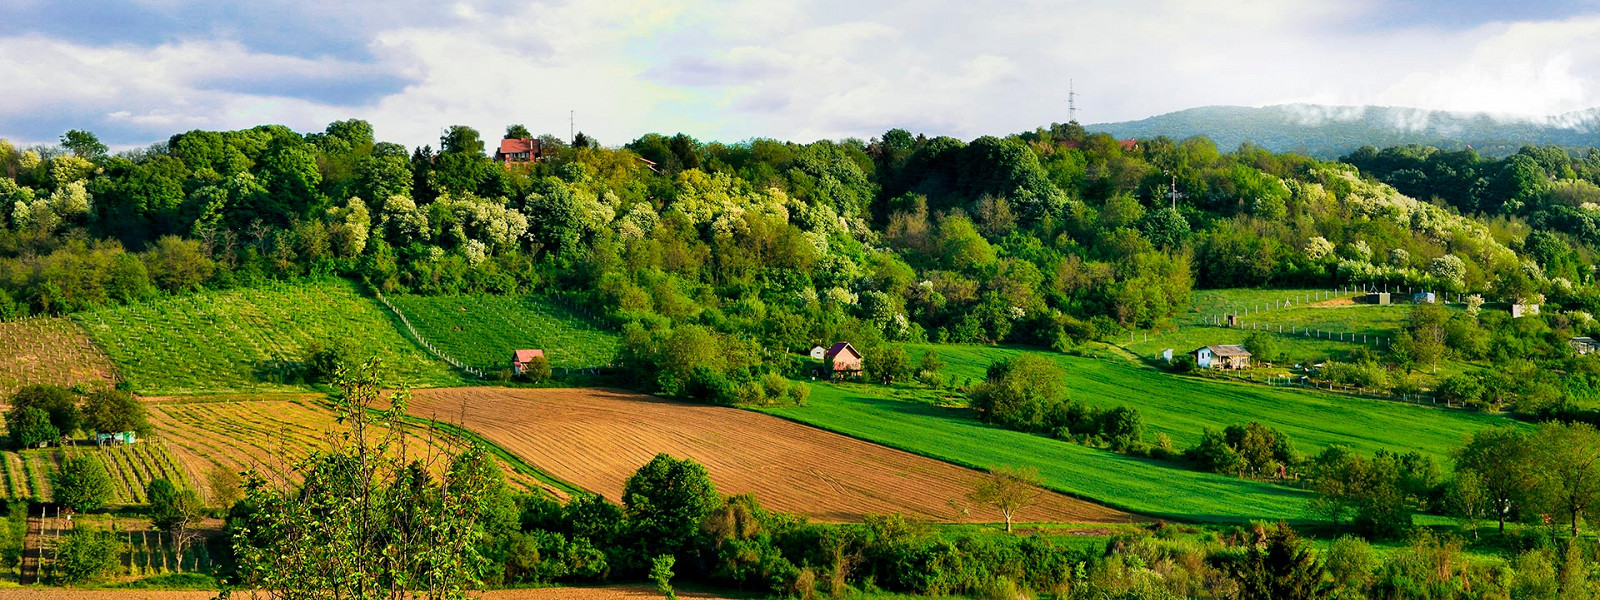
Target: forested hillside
1329 131
1049 237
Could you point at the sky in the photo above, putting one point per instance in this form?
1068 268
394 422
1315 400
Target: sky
137 71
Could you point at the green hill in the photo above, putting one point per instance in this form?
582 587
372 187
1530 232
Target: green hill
251 339
481 330
1332 131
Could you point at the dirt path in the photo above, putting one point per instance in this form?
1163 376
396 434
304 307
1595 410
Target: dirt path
597 438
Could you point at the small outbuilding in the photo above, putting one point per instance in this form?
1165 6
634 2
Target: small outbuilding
1224 356
818 353
1423 298
1519 310
520 359
842 360
1584 344
1378 298
120 437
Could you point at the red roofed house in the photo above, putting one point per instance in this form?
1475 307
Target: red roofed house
842 360
1129 145
519 358
519 151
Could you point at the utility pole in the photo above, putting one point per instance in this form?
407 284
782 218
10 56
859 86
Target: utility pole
1173 192
1072 103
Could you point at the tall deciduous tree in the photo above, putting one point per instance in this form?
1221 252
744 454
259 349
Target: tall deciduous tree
112 411
665 502
1007 489
370 521
82 483
1502 457
1567 456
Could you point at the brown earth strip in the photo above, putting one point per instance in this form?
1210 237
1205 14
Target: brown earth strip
595 439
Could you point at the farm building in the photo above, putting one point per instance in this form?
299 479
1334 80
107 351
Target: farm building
1522 310
515 151
842 360
520 358
1378 298
818 352
121 437
1584 344
1225 356
1423 298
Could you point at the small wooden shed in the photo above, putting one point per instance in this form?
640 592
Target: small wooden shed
818 353
520 358
842 360
1224 356
1378 298
1519 310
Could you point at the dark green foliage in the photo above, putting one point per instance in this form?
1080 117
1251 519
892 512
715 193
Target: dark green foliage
82 483
1251 448
112 411
323 359
665 502
1021 393
1371 493
59 403
86 556
1285 569
27 427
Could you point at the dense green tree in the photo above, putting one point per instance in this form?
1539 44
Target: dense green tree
1503 459
59 403
1567 457
112 411
1020 392
86 556
1285 569
83 144
29 426
665 502
82 483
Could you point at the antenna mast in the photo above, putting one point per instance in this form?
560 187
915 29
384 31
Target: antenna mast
1173 193
1072 103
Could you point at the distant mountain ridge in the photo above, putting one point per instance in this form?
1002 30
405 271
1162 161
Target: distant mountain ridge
1330 131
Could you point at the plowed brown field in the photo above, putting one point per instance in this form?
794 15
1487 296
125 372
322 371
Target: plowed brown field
266 435
597 438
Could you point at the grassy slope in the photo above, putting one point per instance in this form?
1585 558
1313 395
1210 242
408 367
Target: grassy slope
1178 406
247 339
951 435
482 330
1182 407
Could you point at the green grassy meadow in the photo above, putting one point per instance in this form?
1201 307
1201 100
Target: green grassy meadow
482 330
250 339
1182 406
953 435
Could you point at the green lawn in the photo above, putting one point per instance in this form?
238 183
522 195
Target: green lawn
252 339
1182 406
482 330
1143 486
1179 406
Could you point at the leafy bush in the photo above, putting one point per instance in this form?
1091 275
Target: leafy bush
82 483
85 556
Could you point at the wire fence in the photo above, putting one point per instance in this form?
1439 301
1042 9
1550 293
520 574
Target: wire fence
470 370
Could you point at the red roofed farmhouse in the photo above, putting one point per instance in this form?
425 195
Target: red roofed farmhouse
520 358
513 151
842 360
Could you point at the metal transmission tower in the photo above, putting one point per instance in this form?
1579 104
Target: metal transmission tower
1072 103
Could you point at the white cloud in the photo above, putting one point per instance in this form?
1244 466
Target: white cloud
805 69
